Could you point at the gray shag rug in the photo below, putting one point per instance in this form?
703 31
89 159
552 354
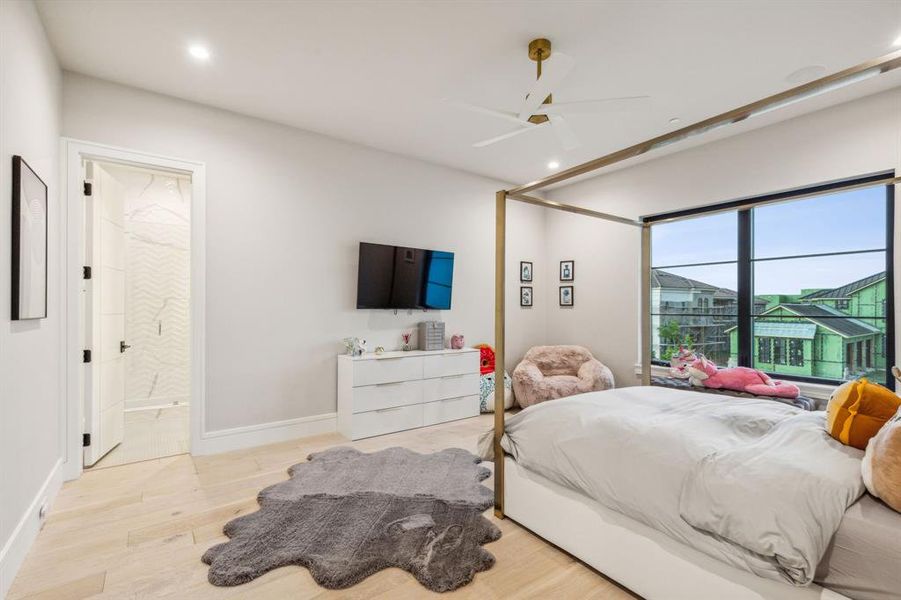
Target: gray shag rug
345 515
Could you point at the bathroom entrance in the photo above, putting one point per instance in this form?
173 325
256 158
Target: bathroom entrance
137 313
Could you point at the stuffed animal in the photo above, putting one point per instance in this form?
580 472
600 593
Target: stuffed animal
705 373
486 382
857 410
881 465
486 358
680 361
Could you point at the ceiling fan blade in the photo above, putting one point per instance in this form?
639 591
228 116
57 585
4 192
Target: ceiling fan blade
508 116
505 136
599 105
554 70
564 132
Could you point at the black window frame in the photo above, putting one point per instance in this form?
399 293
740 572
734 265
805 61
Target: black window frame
745 264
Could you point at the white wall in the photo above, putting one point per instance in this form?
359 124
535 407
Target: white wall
856 138
285 212
31 370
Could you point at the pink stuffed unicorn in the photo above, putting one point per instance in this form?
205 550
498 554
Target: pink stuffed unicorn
704 373
680 361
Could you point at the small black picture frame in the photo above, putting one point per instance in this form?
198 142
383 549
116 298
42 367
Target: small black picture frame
567 270
525 296
525 271
567 296
29 243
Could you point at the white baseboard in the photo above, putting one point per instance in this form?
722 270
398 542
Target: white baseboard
13 553
224 440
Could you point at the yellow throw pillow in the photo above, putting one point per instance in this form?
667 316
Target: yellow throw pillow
881 466
857 410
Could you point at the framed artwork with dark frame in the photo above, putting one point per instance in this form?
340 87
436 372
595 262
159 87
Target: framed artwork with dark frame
525 271
525 296
567 270
29 243
567 295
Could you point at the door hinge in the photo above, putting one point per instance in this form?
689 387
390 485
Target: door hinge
85 440
88 188
86 356
86 272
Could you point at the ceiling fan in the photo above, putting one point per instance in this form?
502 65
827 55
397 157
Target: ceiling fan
538 110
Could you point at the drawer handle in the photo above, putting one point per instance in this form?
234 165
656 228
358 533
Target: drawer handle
456 376
393 408
390 383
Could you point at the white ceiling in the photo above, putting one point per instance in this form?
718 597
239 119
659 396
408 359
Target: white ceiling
376 72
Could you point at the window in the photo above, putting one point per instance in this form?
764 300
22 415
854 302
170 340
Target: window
757 284
693 298
796 353
779 351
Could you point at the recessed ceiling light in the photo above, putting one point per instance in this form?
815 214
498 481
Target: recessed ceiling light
675 121
199 52
897 42
553 164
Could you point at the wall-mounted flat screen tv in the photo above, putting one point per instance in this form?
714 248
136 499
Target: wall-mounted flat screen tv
400 277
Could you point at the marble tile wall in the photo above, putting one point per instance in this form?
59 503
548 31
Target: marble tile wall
157 287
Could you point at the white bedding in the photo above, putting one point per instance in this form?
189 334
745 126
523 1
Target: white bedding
633 450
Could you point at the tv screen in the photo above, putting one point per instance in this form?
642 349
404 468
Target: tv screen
400 277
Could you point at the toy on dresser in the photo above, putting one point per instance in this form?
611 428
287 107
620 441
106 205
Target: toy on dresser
355 346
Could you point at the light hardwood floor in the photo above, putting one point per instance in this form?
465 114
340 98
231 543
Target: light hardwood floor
138 531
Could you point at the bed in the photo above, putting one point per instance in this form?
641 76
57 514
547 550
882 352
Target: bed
623 505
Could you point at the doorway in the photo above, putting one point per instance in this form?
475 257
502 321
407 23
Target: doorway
136 299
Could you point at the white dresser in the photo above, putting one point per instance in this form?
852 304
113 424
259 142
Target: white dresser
379 394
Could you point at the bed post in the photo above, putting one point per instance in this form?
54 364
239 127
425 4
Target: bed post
499 306
646 304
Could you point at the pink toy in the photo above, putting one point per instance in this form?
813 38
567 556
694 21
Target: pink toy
704 373
457 341
680 361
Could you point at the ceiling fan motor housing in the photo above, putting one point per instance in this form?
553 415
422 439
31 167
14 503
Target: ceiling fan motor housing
540 50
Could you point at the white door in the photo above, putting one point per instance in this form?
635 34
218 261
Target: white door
105 314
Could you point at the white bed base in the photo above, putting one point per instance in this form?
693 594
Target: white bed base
634 555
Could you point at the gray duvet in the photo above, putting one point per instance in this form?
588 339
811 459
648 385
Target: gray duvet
754 483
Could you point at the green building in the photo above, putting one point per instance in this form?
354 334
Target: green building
831 333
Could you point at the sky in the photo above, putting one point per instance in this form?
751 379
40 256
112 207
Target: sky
843 221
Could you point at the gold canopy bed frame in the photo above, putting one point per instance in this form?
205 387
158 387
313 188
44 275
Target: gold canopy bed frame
521 193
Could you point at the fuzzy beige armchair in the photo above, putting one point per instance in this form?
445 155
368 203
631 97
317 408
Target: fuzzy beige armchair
549 372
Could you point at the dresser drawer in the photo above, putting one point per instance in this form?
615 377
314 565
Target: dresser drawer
450 364
386 420
387 370
453 386
450 409
386 395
